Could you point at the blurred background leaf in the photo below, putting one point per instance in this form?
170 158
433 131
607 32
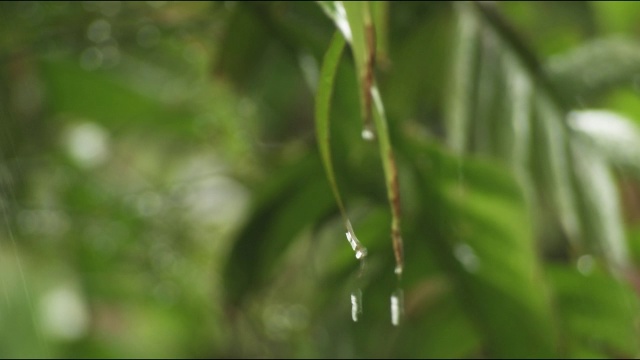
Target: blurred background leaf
162 192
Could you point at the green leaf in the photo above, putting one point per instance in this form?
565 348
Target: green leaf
323 112
460 105
595 67
486 246
273 225
104 98
611 134
380 16
597 311
391 177
603 221
360 33
363 44
556 172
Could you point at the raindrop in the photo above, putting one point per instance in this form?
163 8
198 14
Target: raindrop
467 257
368 134
356 304
585 264
360 250
398 269
397 306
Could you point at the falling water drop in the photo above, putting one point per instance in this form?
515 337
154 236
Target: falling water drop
356 304
397 306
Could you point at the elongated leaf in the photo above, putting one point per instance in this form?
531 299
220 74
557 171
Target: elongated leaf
391 177
589 70
487 248
360 33
323 112
597 312
546 167
556 172
459 109
613 135
363 44
380 16
602 211
323 115
273 224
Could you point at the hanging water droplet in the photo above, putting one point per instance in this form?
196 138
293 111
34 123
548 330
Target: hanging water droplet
368 134
356 304
397 306
398 269
360 250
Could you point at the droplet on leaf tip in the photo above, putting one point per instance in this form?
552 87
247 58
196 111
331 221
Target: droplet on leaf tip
367 134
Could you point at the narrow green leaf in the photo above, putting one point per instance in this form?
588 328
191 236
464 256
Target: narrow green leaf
589 70
273 224
323 115
459 107
520 90
380 16
391 177
323 111
597 312
603 220
363 45
557 169
613 135
361 36
488 250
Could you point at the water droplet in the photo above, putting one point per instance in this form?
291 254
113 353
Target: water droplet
360 250
368 134
356 304
467 257
397 306
398 269
585 264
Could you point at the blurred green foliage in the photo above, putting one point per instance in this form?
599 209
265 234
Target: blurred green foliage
162 192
